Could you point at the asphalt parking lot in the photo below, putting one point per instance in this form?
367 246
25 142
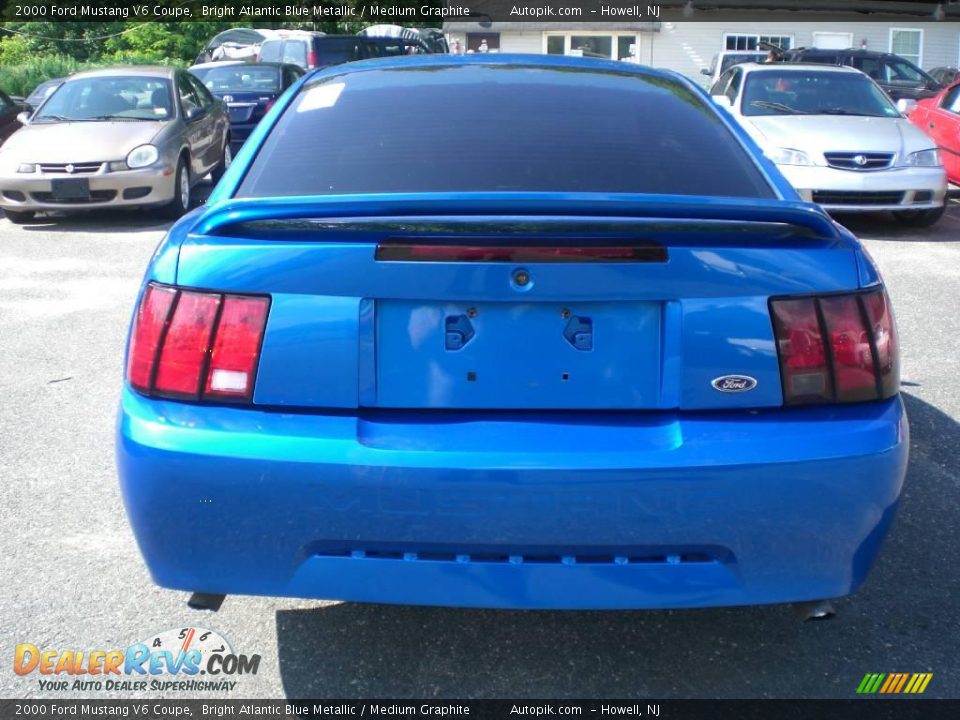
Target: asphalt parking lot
73 578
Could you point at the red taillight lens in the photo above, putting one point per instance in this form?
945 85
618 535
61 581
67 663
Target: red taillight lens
234 359
884 333
145 339
181 362
187 344
413 252
850 346
311 59
838 348
803 358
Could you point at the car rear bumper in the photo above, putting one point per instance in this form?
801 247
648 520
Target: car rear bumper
638 510
239 132
869 191
127 188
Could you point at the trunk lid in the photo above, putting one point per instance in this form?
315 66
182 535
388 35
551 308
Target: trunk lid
380 305
246 107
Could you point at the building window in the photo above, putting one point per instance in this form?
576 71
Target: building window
907 43
751 42
616 46
483 42
592 45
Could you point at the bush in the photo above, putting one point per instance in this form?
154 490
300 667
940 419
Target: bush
21 78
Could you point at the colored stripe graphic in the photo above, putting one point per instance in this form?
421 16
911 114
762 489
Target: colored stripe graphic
894 683
892 679
870 683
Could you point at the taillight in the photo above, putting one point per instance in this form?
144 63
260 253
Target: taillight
233 359
836 348
196 345
148 328
311 59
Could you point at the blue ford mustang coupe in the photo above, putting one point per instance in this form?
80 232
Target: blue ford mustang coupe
517 332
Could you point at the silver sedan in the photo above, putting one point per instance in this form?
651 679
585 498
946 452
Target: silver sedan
116 137
837 138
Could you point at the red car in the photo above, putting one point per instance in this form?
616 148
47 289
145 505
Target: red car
939 117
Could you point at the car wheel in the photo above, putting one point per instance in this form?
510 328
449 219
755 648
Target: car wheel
919 218
224 163
19 218
181 192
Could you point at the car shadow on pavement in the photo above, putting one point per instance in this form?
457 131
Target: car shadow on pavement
898 621
110 220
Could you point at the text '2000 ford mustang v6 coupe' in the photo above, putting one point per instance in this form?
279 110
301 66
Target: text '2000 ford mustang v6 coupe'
510 332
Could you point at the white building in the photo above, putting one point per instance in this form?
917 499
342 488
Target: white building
687 41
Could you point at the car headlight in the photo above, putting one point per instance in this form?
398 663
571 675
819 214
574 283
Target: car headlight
142 156
789 156
26 168
924 158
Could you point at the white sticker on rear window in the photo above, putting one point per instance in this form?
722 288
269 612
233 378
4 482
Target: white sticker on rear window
322 96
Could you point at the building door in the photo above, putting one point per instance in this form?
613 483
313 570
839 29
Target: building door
832 40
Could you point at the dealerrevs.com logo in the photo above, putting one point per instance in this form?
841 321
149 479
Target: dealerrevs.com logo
171 660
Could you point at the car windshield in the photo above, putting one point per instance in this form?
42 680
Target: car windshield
241 78
786 92
43 90
479 128
132 98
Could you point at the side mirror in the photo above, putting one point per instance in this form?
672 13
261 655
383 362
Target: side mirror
722 101
705 71
906 105
24 117
193 113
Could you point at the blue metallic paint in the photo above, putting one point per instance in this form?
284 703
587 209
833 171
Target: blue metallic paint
266 495
731 499
519 356
712 302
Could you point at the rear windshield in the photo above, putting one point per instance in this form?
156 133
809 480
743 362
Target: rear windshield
270 51
241 78
501 128
295 52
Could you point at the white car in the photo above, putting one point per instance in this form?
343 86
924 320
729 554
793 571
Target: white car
837 138
725 60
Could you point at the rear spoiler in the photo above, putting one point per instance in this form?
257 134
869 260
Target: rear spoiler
807 219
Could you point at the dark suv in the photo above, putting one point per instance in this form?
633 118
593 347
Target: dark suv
900 78
311 50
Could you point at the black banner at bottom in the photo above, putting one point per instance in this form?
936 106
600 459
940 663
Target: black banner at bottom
919 709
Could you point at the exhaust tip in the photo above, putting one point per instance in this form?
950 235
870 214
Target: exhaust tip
205 601
815 610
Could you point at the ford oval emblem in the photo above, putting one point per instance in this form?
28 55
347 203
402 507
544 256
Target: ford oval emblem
734 383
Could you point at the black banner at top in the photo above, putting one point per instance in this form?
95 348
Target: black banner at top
437 12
